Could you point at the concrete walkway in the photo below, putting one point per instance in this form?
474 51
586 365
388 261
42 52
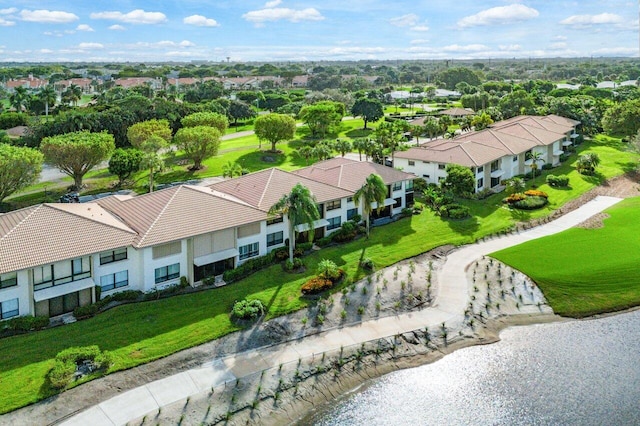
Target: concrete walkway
451 300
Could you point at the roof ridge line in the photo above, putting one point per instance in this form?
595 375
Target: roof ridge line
129 229
22 221
158 216
264 190
498 135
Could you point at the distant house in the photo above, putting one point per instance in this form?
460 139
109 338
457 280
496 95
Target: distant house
494 154
457 112
31 82
84 83
129 82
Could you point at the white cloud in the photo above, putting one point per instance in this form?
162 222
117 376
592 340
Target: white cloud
510 47
48 16
560 45
499 15
91 46
200 21
186 43
116 27
6 23
559 38
466 48
589 20
84 27
407 20
137 16
420 28
617 51
46 51
8 11
259 17
273 3
419 41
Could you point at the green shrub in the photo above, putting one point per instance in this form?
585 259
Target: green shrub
481 195
538 172
247 309
249 267
86 311
531 203
547 166
328 269
356 218
12 119
367 263
66 361
323 242
305 247
347 232
291 265
454 211
25 323
281 253
406 212
558 181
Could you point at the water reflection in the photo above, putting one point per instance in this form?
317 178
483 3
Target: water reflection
581 372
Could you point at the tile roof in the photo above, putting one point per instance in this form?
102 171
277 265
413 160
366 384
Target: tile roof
262 189
468 153
49 233
457 112
180 212
350 174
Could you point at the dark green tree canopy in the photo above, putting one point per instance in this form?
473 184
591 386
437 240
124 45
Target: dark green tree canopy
124 162
275 128
19 167
369 109
460 180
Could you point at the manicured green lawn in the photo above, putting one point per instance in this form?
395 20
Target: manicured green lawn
142 332
586 271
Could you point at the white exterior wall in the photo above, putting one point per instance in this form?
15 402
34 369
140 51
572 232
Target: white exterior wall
270 229
341 213
131 264
22 292
422 168
260 238
398 194
148 266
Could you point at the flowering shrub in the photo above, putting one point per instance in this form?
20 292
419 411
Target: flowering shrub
536 193
514 198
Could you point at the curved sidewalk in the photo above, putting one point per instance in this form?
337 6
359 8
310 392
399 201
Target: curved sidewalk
448 307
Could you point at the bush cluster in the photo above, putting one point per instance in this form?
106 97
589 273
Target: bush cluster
481 195
323 242
328 274
528 175
367 263
24 324
514 198
66 362
12 119
454 211
347 232
82 312
531 203
316 285
247 309
296 264
561 181
249 267
536 193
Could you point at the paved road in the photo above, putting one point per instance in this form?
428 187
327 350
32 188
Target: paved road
449 305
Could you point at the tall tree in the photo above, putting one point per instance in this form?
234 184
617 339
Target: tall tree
19 99
152 159
77 153
275 128
342 146
239 110
19 167
535 157
322 117
198 143
622 119
48 95
431 127
300 207
368 109
372 191
231 170
460 180
389 135
138 133
211 119
360 145
124 162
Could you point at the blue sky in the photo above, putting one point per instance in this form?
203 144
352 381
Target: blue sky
312 30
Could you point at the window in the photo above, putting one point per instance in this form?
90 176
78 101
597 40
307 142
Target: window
350 200
275 220
9 308
334 223
397 186
274 239
43 274
166 273
61 273
408 186
167 249
442 166
321 210
480 169
250 250
480 183
9 280
113 256
426 176
332 205
412 163
117 280
425 162
397 202
495 165
515 158
351 213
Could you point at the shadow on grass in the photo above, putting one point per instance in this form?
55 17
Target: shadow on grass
520 215
359 133
259 160
596 178
466 227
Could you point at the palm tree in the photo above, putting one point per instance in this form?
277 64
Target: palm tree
587 163
322 151
305 152
535 157
373 190
342 146
73 94
431 127
19 98
360 144
300 207
48 96
231 170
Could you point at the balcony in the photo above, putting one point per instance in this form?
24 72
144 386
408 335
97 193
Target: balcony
497 173
316 224
61 290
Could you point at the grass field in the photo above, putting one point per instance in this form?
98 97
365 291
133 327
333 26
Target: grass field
583 272
142 332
